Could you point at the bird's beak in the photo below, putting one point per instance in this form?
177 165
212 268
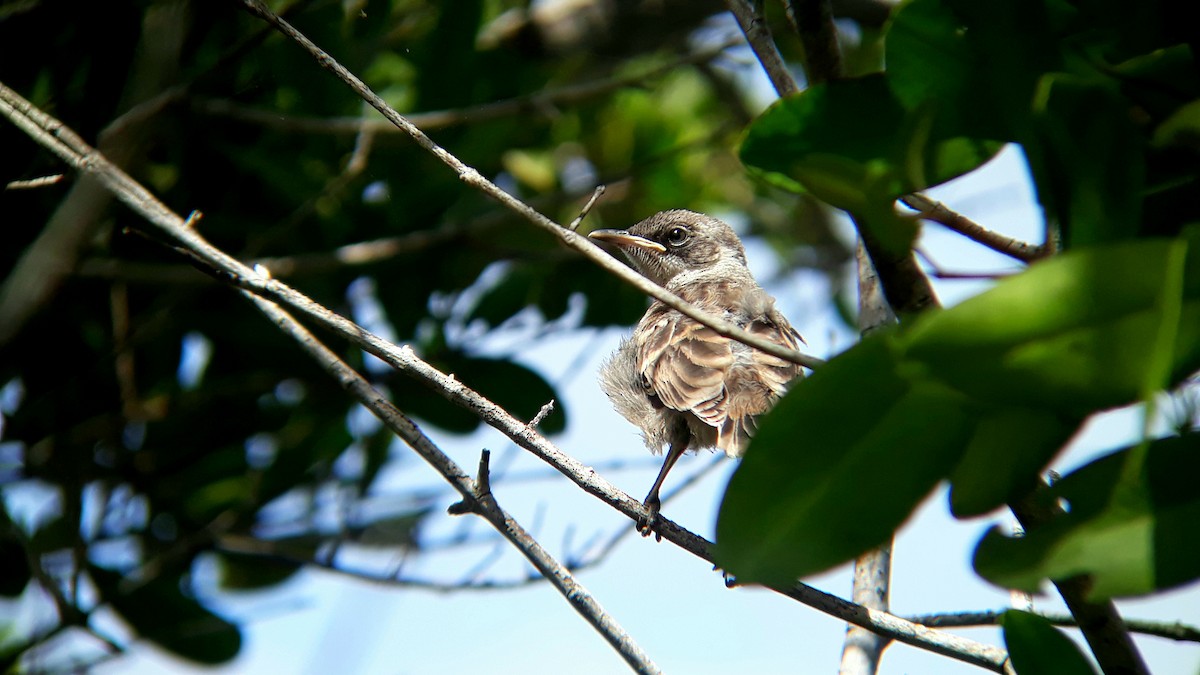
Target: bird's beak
624 240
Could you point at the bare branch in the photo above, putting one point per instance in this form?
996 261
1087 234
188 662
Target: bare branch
475 493
599 191
936 211
542 414
61 140
759 37
813 22
34 183
1171 631
1100 622
862 649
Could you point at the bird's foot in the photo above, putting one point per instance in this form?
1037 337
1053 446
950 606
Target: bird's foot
647 524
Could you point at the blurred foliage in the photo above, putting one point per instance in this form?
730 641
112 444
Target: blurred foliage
1101 97
154 421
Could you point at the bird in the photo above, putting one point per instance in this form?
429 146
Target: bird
680 382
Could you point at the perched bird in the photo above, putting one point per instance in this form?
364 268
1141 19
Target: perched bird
677 380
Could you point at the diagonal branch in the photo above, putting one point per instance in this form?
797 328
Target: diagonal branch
51 133
473 178
937 212
475 493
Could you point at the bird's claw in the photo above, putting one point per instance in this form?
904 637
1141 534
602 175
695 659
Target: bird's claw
646 525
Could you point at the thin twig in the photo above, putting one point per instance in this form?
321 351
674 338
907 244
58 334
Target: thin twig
1172 631
759 36
34 183
443 119
542 414
599 191
862 650
473 178
62 141
937 212
475 492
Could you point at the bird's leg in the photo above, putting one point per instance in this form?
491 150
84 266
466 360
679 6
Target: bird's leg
652 502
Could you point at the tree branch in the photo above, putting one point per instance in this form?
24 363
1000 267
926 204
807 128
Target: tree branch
813 22
759 36
476 493
937 212
1172 631
62 141
1100 622
862 650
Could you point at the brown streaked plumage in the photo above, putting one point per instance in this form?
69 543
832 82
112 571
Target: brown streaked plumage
677 380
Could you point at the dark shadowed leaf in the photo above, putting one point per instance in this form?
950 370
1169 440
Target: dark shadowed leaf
1038 648
1087 159
852 144
1002 461
245 572
838 464
1133 523
159 611
14 567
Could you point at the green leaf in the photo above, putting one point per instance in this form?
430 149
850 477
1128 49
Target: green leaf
1004 456
1088 159
1074 334
851 141
1038 648
837 465
931 57
1133 524
160 612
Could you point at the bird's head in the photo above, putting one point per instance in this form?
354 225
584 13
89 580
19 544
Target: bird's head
670 243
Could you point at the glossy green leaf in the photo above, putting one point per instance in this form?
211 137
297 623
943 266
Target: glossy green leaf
1036 647
160 612
1133 524
1008 449
837 465
1074 334
851 141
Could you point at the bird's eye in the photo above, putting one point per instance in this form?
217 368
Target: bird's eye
677 235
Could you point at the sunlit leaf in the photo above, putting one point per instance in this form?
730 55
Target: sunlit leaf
837 465
1073 334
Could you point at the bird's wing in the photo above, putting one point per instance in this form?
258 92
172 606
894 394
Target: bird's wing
775 373
684 363
692 368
